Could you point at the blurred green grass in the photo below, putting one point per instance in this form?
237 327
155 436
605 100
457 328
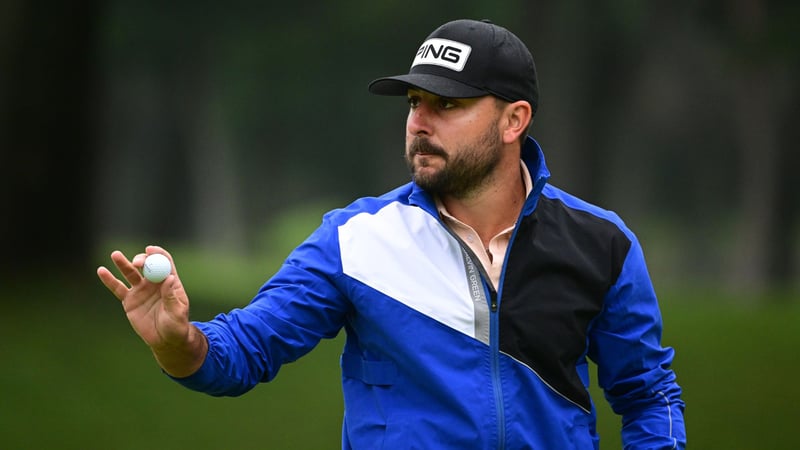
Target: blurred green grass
77 377
736 361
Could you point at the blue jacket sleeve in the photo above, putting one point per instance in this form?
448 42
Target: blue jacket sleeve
292 312
634 370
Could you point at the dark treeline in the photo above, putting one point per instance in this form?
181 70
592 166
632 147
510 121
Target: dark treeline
174 121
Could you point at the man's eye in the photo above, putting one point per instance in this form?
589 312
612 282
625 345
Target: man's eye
446 103
413 102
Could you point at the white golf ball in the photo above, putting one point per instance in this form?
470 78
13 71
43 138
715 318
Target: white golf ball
156 267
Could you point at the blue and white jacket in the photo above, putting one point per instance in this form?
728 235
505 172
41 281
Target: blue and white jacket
434 357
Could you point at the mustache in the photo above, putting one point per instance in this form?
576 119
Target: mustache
424 146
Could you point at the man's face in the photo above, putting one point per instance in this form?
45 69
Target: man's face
452 145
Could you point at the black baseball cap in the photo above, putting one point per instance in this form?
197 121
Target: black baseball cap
469 58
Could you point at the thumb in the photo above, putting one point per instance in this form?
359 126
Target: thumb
175 299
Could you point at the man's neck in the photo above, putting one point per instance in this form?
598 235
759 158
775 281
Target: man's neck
494 207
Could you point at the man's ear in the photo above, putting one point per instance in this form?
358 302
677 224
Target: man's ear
518 116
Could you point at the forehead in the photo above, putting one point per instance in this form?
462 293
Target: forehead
427 95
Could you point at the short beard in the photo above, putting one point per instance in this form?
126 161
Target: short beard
465 172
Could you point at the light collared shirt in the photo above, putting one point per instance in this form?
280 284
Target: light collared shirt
491 258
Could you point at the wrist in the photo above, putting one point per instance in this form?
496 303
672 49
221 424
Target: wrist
185 358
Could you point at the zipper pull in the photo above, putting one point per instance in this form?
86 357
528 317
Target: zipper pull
493 300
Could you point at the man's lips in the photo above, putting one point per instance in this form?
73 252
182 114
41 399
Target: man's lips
423 148
427 153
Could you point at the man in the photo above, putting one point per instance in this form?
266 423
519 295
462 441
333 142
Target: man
471 297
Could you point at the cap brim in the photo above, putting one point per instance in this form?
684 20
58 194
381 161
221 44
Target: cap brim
441 86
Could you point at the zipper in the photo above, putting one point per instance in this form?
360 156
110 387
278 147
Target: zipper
494 349
494 336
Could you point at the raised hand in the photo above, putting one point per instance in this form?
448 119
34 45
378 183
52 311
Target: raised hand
158 312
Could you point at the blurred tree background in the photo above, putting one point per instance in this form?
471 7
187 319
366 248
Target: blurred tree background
224 131
204 123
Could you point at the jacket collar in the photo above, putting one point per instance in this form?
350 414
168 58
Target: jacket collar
533 157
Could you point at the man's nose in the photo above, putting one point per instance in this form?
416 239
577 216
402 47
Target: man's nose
419 122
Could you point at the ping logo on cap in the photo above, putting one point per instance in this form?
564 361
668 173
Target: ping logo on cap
443 52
